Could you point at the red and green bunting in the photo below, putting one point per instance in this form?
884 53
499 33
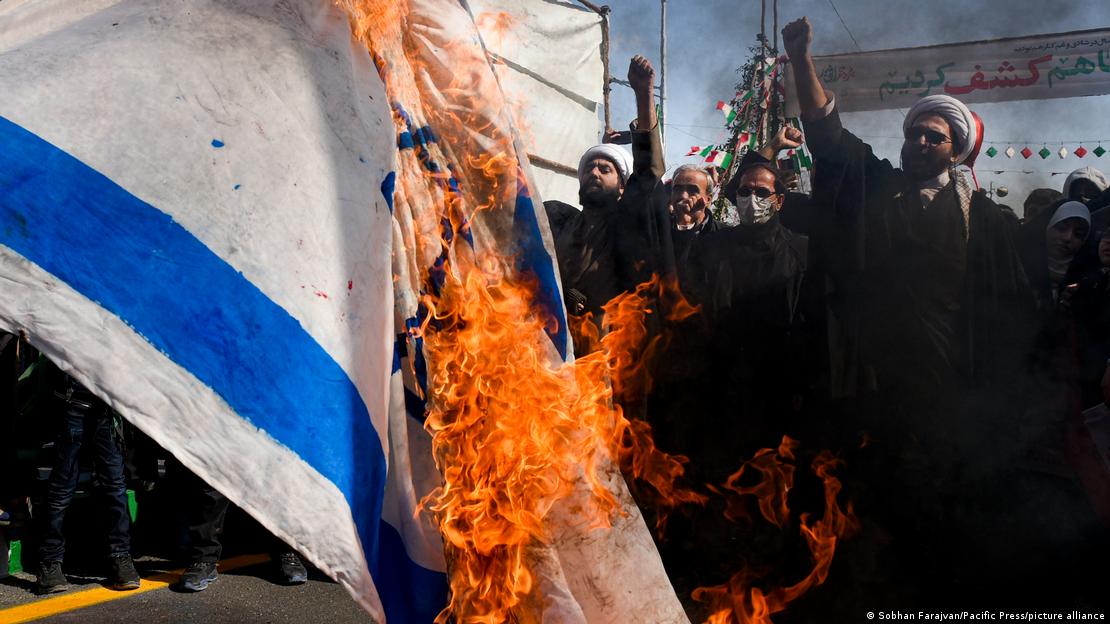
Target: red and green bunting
1044 152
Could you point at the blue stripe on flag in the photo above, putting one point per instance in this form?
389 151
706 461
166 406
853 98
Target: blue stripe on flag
413 593
136 262
534 259
388 184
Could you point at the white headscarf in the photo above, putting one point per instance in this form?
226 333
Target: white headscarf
1086 173
1069 210
955 113
619 157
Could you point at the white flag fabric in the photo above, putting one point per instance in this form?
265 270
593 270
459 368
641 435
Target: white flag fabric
192 224
205 217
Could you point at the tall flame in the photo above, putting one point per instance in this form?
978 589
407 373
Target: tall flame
514 429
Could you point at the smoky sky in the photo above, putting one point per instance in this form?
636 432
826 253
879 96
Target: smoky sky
707 40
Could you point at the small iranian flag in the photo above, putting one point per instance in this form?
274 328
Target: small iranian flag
693 150
721 159
727 111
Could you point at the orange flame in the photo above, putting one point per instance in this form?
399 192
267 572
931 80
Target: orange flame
624 356
496 25
739 601
513 429
772 489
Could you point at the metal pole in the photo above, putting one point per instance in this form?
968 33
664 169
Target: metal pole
605 67
663 72
776 26
763 22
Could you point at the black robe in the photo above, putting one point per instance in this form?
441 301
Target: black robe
732 380
604 252
738 367
932 319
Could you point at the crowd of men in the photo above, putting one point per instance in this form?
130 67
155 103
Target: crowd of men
897 315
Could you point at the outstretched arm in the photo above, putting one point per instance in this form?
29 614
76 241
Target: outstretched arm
641 75
796 38
647 147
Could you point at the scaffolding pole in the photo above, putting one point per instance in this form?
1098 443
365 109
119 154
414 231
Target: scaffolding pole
663 73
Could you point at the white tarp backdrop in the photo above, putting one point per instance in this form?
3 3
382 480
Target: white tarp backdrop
548 60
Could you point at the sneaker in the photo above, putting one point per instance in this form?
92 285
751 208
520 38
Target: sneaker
121 574
291 569
51 578
198 575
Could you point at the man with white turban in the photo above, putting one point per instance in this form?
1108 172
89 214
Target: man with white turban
916 236
601 250
930 313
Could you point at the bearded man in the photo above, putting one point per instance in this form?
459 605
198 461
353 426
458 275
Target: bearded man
609 246
931 319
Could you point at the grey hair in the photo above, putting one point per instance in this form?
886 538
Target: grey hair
695 168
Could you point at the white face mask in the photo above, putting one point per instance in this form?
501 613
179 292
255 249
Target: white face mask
753 210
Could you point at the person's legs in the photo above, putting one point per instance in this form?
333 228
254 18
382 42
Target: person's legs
59 494
207 511
113 489
206 521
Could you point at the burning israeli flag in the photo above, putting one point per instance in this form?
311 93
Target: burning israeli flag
210 216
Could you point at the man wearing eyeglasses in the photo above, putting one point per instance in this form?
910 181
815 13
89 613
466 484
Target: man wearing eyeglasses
927 262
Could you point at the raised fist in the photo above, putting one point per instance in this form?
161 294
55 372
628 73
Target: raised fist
788 137
641 75
796 37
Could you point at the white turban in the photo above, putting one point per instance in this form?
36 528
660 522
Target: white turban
619 157
1069 210
1086 173
957 115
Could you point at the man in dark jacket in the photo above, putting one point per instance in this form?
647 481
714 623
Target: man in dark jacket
691 194
618 238
934 312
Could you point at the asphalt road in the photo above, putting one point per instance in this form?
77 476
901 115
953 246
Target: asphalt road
245 594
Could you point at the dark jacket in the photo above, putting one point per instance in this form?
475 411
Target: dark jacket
924 296
604 253
686 240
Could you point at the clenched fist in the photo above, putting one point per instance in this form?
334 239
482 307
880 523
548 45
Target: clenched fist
796 37
641 75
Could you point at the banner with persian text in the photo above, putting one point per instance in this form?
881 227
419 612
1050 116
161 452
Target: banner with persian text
1026 68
